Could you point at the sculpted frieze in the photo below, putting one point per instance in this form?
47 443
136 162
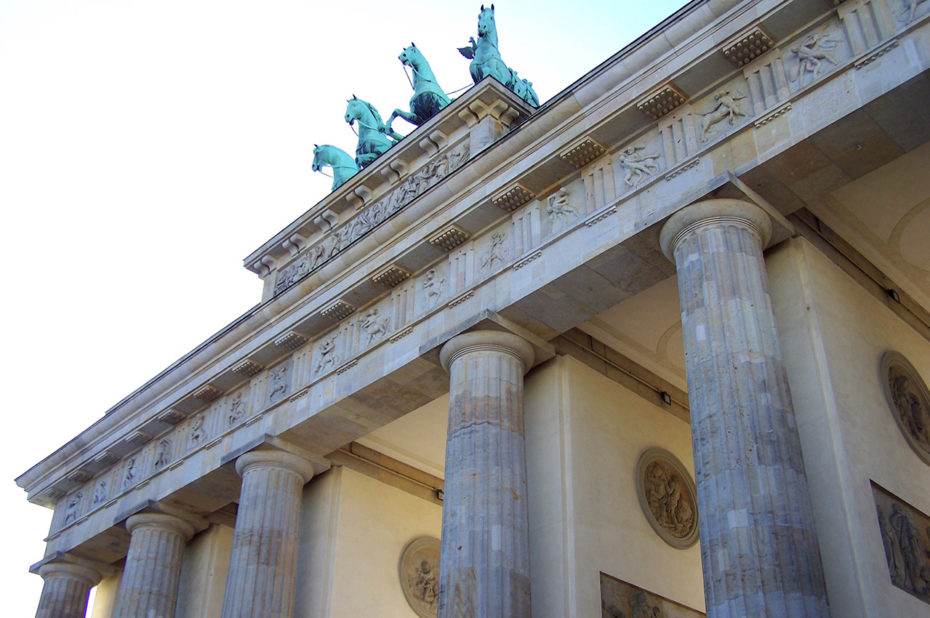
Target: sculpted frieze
162 453
433 284
236 409
639 163
278 382
342 237
100 492
496 251
197 434
814 55
374 325
906 540
327 357
130 473
73 509
727 106
559 209
620 599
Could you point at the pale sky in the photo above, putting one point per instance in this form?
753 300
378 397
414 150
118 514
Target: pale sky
147 147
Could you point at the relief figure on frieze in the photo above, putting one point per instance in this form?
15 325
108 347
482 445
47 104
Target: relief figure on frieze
100 492
129 475
639 163
328 357
811 55
433 284
374 325
559 208
278 380
727 107
496 251
197 433
74 505
162 453
236 410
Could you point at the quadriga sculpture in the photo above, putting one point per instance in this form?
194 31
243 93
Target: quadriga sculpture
486 59
428 98
341 162
374 137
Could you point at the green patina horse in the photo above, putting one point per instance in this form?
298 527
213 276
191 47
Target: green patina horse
428 98
486 59
341 162
374 137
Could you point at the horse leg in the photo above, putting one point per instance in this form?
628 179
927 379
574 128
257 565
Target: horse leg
394 135
399 113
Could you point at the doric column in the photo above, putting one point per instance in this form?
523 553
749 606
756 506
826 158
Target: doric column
64 594
263 563
758 544
484 567
149 586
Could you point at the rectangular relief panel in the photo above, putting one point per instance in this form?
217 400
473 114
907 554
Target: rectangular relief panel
906 539
620 599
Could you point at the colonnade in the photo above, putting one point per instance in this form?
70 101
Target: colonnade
758 543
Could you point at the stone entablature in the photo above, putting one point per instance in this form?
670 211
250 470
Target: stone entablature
413 166
641 178
340 238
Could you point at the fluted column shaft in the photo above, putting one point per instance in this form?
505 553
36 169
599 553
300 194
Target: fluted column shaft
484 561
263 563
758 543
64 593
149 586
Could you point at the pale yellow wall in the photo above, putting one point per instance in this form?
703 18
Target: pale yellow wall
833 334
584 436
550 509
104 601
315 556
203 573
358 527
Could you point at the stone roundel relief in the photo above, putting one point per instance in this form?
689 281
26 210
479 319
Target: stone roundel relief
909 401
419 575
667 496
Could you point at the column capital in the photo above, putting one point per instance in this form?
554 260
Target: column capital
713 212
275 459
70 570
162 521
487 341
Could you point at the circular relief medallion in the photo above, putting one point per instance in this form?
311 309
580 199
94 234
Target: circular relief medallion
909 401
419 575
667 497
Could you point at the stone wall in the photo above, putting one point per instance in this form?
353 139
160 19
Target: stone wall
353 531
585 434
833 334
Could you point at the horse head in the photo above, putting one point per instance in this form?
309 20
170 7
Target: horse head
366 114
486 25
410 55
317 165
354 109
